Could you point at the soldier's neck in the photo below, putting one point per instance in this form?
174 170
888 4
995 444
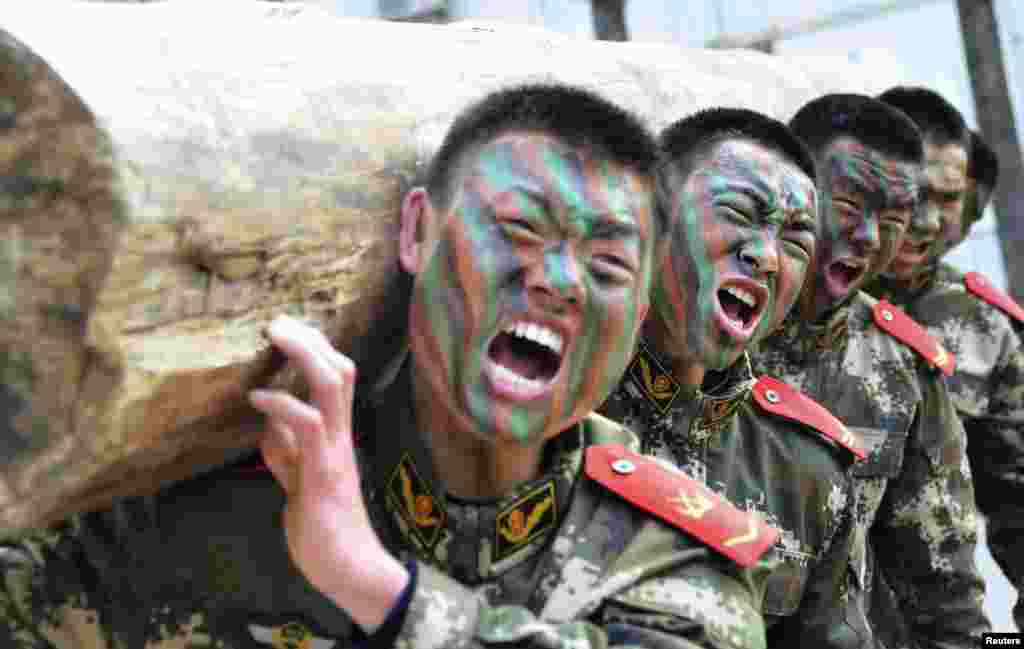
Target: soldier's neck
470 466
685 370
815 308
901 287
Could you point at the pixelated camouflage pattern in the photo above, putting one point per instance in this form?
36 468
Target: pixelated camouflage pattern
204 565
988 392
791 475
915 514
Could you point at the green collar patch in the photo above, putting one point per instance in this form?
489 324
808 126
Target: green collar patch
715 412
422 513
653 380
524 520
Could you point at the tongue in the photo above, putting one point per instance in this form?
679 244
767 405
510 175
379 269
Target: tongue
845 273
731 306
513 354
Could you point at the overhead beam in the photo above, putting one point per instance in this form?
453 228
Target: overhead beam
784 28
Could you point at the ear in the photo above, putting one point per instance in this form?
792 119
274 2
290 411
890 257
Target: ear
416 210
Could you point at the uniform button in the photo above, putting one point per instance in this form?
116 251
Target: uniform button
623 467
887 315
772 396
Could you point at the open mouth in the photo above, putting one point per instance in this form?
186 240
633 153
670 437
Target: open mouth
525 357
915 249
741 308
841 275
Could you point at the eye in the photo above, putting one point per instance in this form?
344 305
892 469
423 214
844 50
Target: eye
896 216
519 229
735 212
846 206
801 234
802 239
611 269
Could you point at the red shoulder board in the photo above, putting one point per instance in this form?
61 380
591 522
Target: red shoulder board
681 501
786 401
980 286
903 328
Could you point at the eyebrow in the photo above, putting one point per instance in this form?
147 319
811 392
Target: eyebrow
608 229
748 190
605 228
854 184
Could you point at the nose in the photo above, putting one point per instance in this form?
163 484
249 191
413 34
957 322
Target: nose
761 256
866 235
926 220
557 277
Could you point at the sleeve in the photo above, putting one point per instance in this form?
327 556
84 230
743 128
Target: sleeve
824 618
995 449
70 586
926 530
658 613
48 598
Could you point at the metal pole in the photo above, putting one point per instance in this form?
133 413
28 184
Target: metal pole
994 109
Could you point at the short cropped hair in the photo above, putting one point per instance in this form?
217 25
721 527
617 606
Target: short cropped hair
574 115
684 143
938 120
869 121
983 165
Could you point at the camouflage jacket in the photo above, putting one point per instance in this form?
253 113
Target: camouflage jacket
562 562
988 392
792 475
915 513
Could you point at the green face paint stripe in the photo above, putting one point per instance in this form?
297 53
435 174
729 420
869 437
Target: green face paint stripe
695 242
559 175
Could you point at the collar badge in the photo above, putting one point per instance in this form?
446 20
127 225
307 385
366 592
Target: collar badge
410 495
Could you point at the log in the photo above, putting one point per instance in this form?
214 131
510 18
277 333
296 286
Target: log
176 174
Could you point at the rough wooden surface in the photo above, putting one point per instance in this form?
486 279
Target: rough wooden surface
260 155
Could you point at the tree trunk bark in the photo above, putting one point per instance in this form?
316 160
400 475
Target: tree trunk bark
144 249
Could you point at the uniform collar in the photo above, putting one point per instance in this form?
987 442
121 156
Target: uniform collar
901 294
667 413
805 340
473 540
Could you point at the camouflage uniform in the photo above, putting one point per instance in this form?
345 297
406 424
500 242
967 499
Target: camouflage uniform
796 479
988 392
916 519
561 562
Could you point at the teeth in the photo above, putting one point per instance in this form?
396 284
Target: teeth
537 333
519 383
743 296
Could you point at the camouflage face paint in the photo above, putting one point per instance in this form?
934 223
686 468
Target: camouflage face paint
746 227
868 200
525 314
939 218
